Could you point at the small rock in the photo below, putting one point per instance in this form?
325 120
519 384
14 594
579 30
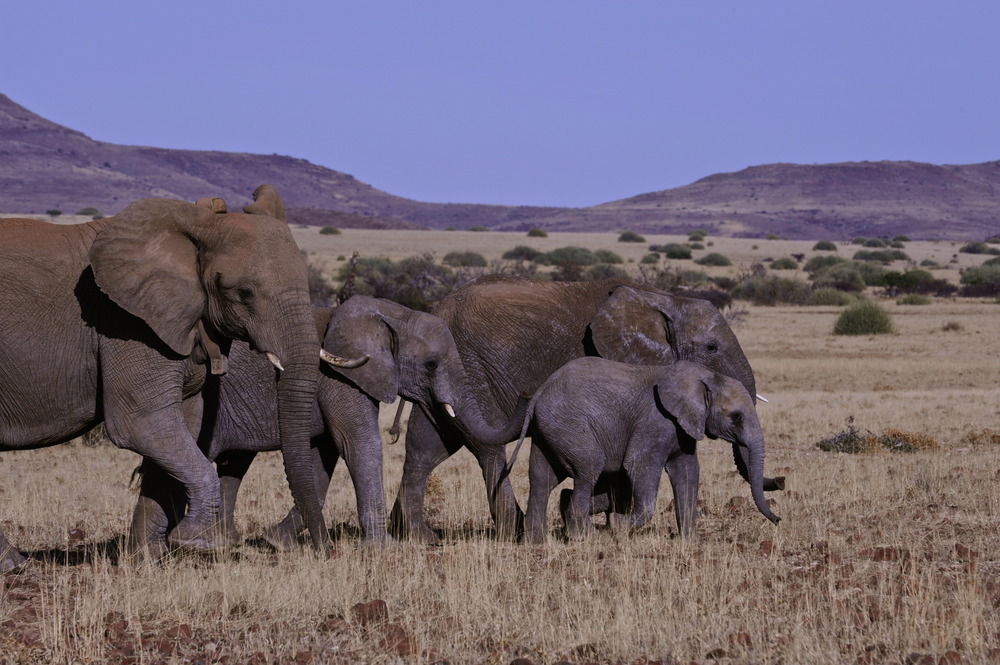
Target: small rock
964 553
180 631
766 548
395 639
304 657
77 535
375 611
717 654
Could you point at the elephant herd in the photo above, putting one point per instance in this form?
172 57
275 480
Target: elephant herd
188 331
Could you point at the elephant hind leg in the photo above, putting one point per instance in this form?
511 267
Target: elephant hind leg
159 508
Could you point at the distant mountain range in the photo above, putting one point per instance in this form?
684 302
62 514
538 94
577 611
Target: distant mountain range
46 166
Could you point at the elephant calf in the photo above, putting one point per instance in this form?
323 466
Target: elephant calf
610 425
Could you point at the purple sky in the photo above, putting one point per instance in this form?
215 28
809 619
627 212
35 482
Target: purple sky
563 102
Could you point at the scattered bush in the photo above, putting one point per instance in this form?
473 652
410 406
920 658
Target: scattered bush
478 228
930 263
874 242
329 231
952 326
416 281
914 299
630 236
53 212
713 259
672 250
696 245
696 236
901 238
817 263
982 437
607 256
855 441
881 255
830 297
536 232
784 263
91 212
521 253
982 274
825 246
602 271
841 276
464 260
978 247
860 240
863 318
650 259
871 273
772 290
568 255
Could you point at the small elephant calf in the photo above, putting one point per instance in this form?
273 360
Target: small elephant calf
610 425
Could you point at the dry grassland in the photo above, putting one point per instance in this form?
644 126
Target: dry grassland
884 557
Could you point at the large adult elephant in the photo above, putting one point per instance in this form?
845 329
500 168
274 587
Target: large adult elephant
116 320
513 333
410 354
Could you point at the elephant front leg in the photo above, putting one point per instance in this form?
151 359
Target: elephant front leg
159 508
683 471
284 535
425 450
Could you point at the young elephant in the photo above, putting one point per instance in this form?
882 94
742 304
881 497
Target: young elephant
609 425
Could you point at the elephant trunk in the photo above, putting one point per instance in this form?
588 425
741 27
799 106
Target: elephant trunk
738 367
466 413
296 396
749 458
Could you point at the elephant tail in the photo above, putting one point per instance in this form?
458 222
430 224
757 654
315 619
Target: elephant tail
528 411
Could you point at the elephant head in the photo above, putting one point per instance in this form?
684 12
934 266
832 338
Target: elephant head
645 327
705 403
411 354
179 266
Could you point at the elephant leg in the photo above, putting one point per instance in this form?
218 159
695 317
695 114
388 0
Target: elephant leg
159 508
363 457
10 558
683 470
645 487
576 517
425 450
284 535
231 466
542 478
507 515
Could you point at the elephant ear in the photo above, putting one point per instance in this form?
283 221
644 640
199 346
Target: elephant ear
266 201
357 329
634 327
686 397
144 262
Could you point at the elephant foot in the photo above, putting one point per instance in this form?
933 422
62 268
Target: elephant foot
619 522
11 560
150 551
281 537
378 541
197 537
423 534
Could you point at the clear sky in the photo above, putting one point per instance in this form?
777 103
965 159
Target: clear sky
561 102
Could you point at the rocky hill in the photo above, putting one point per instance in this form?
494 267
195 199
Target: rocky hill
45 166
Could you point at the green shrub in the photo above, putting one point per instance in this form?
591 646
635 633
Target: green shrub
568 255
696 245
881 255
817 263
90 211
536 232
930 263
415 282
772 290
982 274
53 212
995 261
602 271
908 281
863 318
329 231
860 240
914 299
871 273
841 276
650 259
830 297
978 247
714 259
696 236
607 256
994 240
785 263
672 250
854 441
464 260
630 236
772 236
874 242
895 244
825 246
478 228
901 238
521 253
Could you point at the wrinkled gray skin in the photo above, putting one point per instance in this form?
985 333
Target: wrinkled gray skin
102 322
411 354
607 424
513 333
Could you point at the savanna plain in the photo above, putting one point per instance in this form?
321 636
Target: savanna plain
880 557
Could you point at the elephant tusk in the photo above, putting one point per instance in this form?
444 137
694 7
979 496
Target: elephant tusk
761 398
275 360
449 410
337 361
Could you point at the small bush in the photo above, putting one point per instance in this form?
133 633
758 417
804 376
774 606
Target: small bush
914 299
773 290
90 211
929 263
863 318
978 247
567 255
696 245
53 212
630 236
817 263
672 250
464 260
830 297
536 232
521 253
825 246
871 273
874 242
714 259
901 238
860 240
952 326
650 259
840 276
607 256
881 255
784 263
982 274
329 231
478 228
602 271
696 236
982 437
855 441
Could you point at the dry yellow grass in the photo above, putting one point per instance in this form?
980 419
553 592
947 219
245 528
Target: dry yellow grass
877 556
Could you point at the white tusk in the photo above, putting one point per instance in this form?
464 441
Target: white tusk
449 410
337 361
275 360
761 398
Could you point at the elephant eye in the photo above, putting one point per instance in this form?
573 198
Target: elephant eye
736 417
245 293
431 365
712 347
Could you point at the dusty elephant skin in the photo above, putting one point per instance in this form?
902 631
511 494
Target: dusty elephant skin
513 333
410 354
609 425
110 320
